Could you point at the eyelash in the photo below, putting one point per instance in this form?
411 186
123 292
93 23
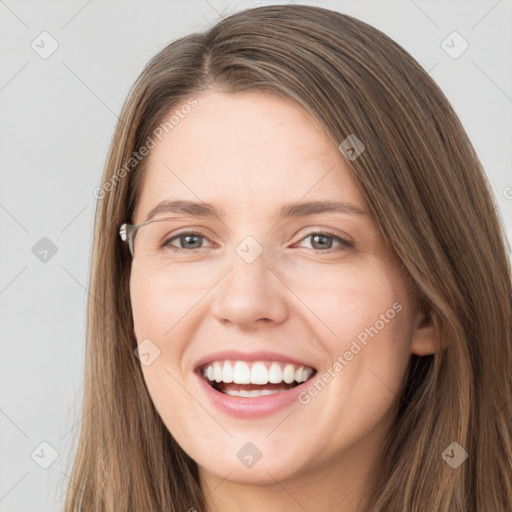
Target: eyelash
345 243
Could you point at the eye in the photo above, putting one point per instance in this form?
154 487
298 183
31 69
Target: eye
189 240
323 241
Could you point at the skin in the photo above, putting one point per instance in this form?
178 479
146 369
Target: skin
250 153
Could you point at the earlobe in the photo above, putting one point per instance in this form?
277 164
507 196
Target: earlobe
425 338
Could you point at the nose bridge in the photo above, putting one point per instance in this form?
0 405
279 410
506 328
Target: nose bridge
250 291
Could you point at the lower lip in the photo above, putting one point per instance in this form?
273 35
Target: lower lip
251 407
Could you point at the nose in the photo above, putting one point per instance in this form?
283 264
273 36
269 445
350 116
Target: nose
251 293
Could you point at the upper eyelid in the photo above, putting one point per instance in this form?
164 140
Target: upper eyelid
344 241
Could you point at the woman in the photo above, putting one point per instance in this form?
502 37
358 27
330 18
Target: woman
338 335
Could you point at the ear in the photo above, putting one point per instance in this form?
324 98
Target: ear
425 338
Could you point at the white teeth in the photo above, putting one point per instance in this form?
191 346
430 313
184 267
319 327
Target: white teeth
227 373
261 373
256 392
275 376
289 373
301 374
217 372
241 373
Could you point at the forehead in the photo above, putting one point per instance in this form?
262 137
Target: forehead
246 150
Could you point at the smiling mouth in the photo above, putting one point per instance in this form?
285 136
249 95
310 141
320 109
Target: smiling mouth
244 379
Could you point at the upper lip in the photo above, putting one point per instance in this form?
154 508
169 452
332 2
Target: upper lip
261 355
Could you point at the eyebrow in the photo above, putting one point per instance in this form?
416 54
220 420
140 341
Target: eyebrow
207 210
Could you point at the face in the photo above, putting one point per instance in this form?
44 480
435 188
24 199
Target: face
314 295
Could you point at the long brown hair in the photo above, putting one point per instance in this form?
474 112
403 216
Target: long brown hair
430 197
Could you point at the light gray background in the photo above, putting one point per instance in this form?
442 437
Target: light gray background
57 118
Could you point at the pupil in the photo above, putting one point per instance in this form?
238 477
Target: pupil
188 237
322 238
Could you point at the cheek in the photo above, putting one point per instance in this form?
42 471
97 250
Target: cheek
156 309
370 321
375 315
348 299
144 302
162 320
